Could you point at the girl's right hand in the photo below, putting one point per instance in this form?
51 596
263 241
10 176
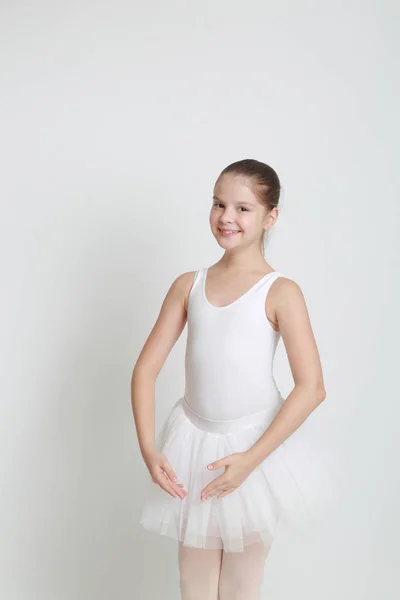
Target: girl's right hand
163 474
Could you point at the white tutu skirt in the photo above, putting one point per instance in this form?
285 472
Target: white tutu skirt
293 484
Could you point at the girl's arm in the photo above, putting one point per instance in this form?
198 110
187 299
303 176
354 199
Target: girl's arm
289 308
165 333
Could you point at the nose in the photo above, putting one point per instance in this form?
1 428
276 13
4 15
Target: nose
227 216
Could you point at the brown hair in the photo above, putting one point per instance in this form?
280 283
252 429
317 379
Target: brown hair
265 182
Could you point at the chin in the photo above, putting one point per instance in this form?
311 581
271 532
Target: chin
226 243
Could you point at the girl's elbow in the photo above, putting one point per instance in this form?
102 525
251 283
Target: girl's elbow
320 393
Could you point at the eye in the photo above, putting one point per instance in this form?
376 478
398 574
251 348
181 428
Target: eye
217 204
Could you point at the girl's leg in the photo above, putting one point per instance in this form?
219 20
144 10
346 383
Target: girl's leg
242 573
199 572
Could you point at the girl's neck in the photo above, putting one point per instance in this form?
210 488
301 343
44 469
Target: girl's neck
242 262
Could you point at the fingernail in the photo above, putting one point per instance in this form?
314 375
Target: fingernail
174 479
210 466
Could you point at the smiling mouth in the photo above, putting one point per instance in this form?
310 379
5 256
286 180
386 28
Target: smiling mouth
228 232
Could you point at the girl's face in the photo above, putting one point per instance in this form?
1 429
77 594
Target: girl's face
237 217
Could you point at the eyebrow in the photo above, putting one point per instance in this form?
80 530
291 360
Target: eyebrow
244 202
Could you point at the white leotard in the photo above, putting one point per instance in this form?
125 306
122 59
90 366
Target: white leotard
229 353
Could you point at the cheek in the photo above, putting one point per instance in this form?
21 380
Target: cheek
245 221
213 218
248 225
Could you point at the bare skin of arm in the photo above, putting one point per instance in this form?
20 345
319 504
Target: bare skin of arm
170 323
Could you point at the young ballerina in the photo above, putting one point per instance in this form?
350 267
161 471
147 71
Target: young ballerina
231 459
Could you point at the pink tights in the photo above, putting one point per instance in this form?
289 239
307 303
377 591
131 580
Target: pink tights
219 575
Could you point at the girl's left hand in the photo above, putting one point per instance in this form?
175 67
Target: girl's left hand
238 468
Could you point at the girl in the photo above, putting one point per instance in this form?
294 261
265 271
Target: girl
231 459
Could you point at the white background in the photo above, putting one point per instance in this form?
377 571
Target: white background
116 119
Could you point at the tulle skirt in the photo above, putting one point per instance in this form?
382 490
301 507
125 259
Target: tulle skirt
293 484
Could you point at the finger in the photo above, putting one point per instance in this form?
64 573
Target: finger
219 490
205 495
169 471
163 480
207 492
179 485
168 478
170 488
211 494
222 462
224 493
213 485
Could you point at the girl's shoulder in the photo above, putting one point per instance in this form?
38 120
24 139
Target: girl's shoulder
285 296
185 279
183 284
285 287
